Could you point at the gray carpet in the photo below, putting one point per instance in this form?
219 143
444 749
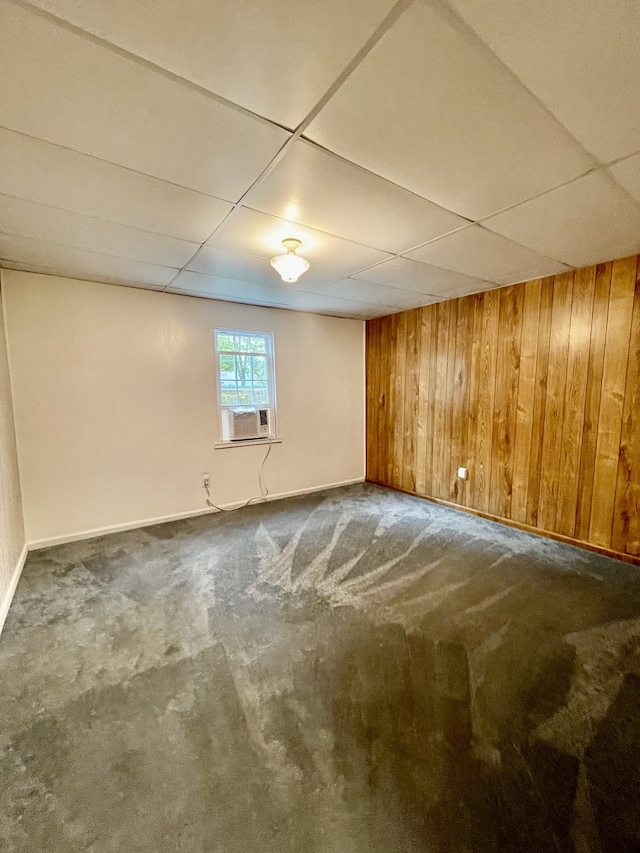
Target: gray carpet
355 671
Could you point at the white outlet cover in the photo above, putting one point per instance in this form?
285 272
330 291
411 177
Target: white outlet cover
463 473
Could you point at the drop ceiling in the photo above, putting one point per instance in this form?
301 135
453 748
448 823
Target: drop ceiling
419 150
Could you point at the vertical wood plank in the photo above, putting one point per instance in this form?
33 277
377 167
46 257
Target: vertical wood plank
486 391
391 396
378 397
456 378
439 466
389 385
423 401
539 400
614 375
411 396
431 411
460 416
554 409
592 398
526 397
474 384
372 379
385 422
399 400
369 400
505 400
380 401
449 398
626 517
574 400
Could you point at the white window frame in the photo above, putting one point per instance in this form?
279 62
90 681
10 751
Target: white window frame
271 384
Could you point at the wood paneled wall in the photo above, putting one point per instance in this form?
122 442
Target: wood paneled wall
535 388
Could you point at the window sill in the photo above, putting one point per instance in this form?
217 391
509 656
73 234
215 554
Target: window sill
252 442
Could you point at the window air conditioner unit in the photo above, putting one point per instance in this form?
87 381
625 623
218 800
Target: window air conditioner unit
245 424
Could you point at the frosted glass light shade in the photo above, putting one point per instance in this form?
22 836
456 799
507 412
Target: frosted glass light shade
290 267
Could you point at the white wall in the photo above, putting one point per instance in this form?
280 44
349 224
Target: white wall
11 526
115 403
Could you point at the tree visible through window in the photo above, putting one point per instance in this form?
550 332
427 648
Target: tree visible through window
244 368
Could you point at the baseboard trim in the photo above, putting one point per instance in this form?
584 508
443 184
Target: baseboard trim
528 528
15 577
37 544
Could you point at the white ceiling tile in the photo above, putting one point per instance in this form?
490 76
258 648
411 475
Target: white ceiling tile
40 222
580 57
421 278
627 174
70 273
482 254
217 262
431 109
227 288
40 256
254 233
468 289
388 311
336 307
59 86
273 57
582 223
366 291
419 301
40 171
321 190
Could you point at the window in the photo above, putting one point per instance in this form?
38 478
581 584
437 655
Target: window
245 370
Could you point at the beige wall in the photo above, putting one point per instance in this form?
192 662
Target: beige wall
11 526
115 403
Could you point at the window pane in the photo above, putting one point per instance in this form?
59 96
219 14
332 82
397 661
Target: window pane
245 398
258 344
259 367
227 386
227 367
260 395
241 343
243 368
229 398
224 342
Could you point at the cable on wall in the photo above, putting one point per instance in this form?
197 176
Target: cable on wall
264 491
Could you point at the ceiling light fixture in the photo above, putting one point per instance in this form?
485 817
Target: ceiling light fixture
290 266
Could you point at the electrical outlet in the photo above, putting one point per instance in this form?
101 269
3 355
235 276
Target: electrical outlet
463 473
206 481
